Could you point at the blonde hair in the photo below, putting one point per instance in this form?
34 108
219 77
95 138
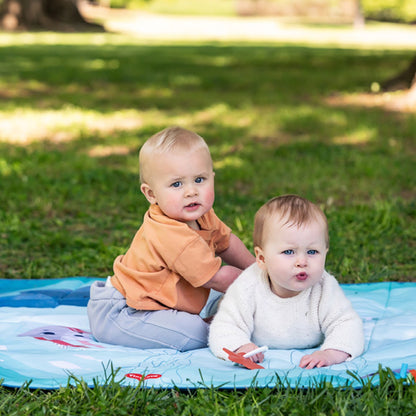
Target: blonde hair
168 140
295 209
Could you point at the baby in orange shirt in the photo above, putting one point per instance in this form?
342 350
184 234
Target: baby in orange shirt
163 281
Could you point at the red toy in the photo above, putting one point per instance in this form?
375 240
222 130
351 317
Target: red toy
239 359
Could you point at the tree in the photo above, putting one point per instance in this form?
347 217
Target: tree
405 85
60 15
359 19
405 79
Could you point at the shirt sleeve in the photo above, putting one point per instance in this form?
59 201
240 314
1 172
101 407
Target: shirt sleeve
197 263
222 237
183 251
341 325
233 324
219 232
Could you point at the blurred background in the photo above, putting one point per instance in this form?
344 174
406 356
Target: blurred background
31 13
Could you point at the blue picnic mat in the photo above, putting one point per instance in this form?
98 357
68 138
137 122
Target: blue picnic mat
45 340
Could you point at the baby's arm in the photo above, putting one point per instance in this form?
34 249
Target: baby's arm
341 325
237 254
323 358
238 258
223 278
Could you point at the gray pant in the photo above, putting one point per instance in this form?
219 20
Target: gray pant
113 322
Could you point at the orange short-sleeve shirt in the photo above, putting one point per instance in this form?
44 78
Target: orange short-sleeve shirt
168 262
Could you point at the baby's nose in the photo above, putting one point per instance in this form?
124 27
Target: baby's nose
191 190
301 261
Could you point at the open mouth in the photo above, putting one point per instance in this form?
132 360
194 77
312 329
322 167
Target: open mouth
194 205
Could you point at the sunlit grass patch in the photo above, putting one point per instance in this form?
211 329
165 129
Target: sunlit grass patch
27 126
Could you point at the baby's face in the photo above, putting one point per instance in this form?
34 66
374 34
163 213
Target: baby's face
293 256
182 184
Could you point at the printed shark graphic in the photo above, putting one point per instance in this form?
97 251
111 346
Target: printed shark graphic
63 336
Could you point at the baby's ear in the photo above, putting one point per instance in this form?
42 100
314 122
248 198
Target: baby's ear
260 257
148 193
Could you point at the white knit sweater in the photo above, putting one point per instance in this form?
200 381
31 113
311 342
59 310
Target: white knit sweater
251 312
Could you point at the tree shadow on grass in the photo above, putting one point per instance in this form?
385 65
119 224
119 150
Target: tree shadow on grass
77 115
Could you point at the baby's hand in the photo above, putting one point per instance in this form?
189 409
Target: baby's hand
244 349
323 358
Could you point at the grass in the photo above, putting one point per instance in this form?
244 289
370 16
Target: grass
74 110
391 397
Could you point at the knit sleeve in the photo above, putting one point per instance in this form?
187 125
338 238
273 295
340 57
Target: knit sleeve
233 324
340 323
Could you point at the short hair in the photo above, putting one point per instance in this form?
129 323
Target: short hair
170 139
295 209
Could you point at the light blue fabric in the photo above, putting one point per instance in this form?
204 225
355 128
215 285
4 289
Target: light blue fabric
45 345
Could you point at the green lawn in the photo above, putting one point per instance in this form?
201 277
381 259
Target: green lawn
279 118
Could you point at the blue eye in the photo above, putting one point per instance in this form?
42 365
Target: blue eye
312 252
199 180
289 252
176 184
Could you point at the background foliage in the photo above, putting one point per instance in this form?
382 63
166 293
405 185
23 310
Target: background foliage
384 10
390 10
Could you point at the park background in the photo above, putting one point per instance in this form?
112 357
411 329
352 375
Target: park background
318 105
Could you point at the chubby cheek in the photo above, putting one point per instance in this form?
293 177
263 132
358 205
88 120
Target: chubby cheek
320 267
282 267
209 195
278 268
319 262
170 202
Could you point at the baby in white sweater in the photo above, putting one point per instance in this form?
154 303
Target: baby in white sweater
287 299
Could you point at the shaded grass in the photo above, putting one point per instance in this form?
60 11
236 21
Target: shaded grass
74 111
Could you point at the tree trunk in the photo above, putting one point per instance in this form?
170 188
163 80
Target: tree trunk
359 21
405 85
61 15
402 81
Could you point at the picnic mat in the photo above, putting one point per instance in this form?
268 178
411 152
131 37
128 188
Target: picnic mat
45 341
